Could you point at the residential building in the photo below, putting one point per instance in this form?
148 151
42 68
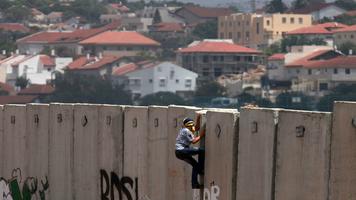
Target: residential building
323 31
213 58
38 69
54 17
117 8
119 43
165 14
321 71
196 14
321 10
41 91
276 70
18 99
96 65
37 15
134 23
167 30
259 31
66 42
149 77
7 72
345 35
108 18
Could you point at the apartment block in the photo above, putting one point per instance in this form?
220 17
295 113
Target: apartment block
258 31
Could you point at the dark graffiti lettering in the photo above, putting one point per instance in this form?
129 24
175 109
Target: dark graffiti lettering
126 187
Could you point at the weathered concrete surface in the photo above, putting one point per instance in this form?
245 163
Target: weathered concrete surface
220 150
86 166
257 132
110 138
343 152
136 147
179 172
157 152
15 153
1 139
37 136
302 159
61 148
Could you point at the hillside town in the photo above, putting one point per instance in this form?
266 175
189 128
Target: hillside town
298 55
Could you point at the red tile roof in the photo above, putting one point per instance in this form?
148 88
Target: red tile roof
14 27
205 12
277 56
312 8
346 29
120 38
120 7
16 64
312 61
17 99
47 61
121 70
82 63
36 89
62 37
218 47
167 27
325 28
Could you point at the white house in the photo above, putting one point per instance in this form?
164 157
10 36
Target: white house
148 78
38 69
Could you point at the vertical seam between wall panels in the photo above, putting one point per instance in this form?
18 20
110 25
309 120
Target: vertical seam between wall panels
274 155
122 132
72 154
328 189
235 156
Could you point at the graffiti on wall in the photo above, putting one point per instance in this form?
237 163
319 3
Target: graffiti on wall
211 194
111 185
10 189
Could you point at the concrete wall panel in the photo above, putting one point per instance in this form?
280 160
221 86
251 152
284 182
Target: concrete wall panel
221 154
302 158
1 139
61 148
343 152
15 153
86 167
256 154
37 127
136 147
157 152
179 172
111 139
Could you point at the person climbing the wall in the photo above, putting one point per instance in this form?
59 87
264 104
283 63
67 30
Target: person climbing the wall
185 152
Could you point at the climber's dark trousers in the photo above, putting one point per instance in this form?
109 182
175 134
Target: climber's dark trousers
187 156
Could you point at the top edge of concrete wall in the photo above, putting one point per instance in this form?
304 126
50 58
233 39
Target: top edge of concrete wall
224 110
345 102
15 105
303 111
260 108
157 106
180 106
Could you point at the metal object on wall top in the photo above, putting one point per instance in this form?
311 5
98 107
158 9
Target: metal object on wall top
84 120
218 130
300 131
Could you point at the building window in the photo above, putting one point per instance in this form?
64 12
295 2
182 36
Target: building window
205 71
247 23
238 35
298 71
258 28
221 35
284 20
162 82
230 24
323 86
177 81
135 82
267 22
238 23
230 35
300 20
310 71
351 36
292 20
171 74
222 24
247 34
347 71
205 59
150 81
188 83
217 72
335 71
222 58
237 58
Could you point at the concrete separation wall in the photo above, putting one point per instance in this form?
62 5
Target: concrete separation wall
302 168
82 151
220 149
257 132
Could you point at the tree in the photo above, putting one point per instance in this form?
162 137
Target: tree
17 13
346 4
342 92
21 82
276 6
161 99
346 47
207 30
299 4
90 9
273 48
157 17
75 88
294 100
210 89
